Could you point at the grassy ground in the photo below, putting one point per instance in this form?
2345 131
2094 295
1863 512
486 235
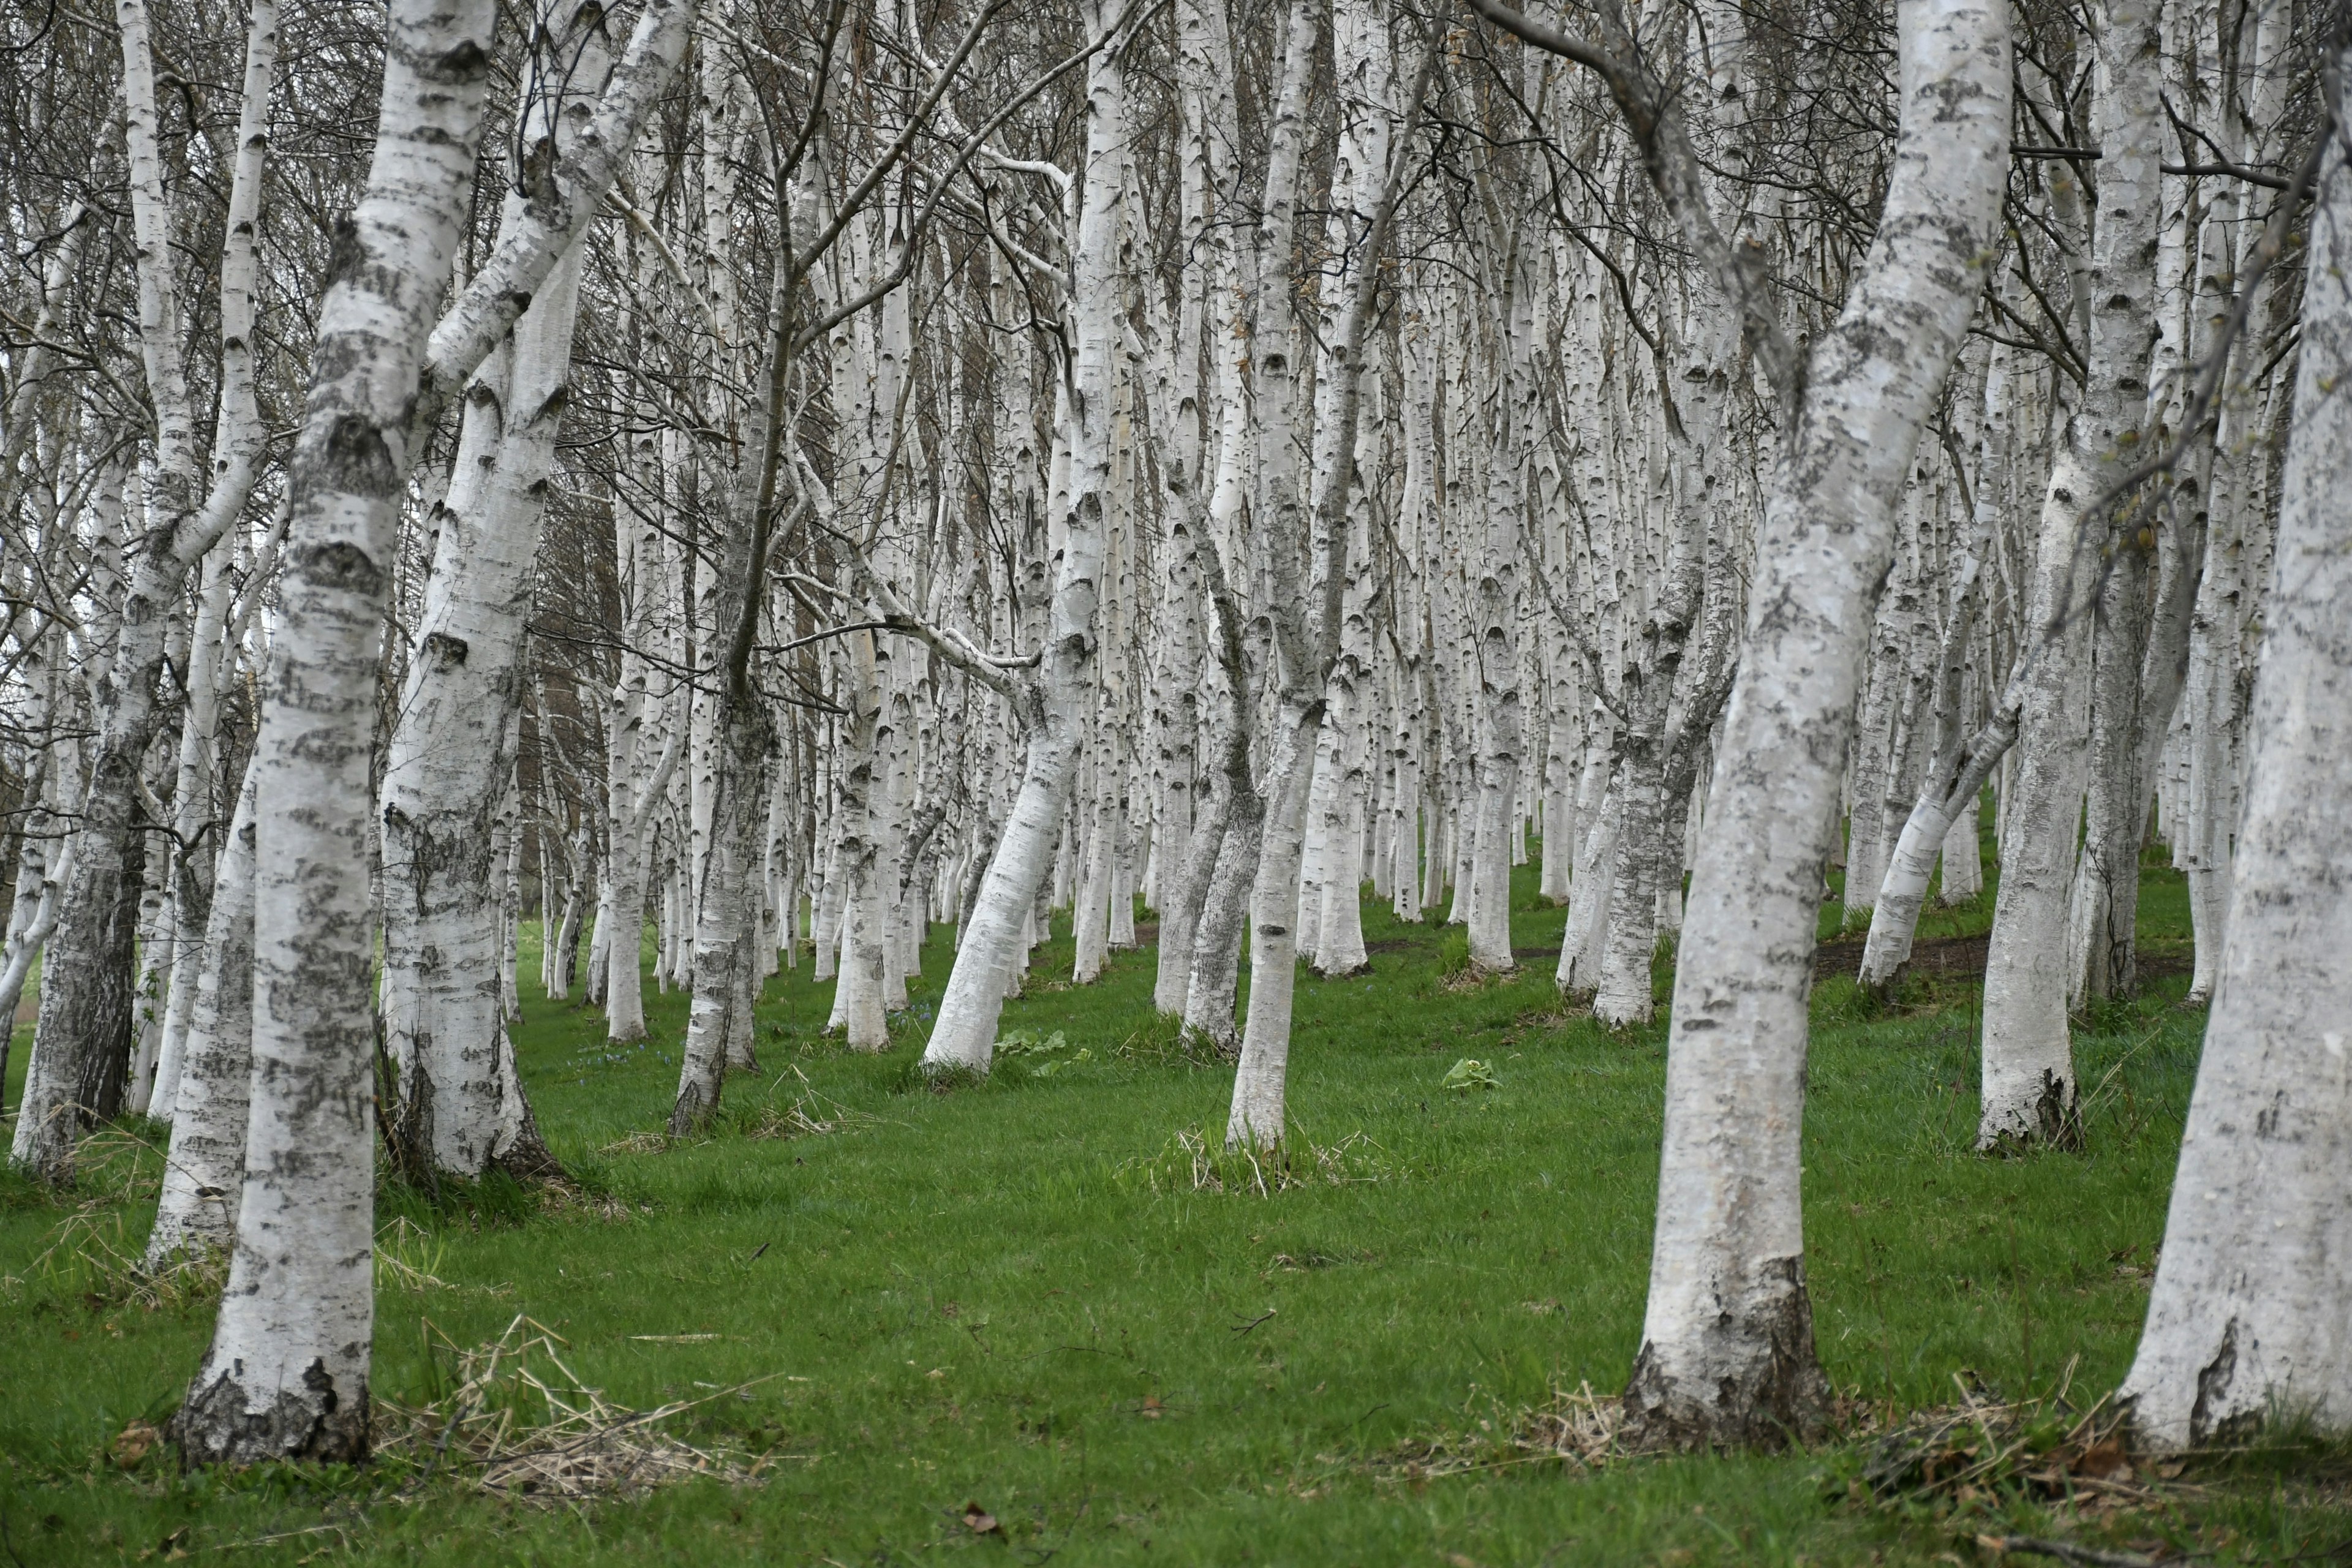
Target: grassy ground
1014 1296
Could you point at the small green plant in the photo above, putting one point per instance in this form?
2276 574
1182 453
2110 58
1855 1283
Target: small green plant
1028 1042
1060 1064
1045 1051
1468 1074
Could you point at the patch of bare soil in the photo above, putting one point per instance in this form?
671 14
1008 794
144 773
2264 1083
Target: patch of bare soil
1963 958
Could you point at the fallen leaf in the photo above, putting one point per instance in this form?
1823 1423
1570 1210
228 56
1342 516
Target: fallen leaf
135 1443
2105 1458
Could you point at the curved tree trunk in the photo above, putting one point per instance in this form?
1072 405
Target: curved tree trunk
2246 1323
461 1110
1727 1353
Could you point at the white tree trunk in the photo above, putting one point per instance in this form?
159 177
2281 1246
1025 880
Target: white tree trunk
448 762
204 1174
2246 1324
286 1372
964 1035
1726 1350
2028 1057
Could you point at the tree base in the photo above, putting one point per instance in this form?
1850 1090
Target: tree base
319 1424
1768 1397
2054 1121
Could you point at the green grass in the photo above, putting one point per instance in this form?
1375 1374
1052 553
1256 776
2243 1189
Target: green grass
1007 1295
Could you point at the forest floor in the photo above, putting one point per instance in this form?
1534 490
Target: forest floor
1038 1316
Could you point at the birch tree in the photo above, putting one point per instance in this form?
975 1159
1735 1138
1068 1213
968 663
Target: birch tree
2245 1323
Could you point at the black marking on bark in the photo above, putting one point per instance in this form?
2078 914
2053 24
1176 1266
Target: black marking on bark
463 63
357 460
410 1135
2057 1117
535 177
2213 1385
2266 1120
338 566
345 254
319 1424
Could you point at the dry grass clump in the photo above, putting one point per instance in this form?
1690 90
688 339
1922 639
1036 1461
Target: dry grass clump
810 1115
1577 1427
1190 1163
2039 1448
516 1420
90 1254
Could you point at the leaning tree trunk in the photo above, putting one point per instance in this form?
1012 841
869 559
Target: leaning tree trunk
460 1109
990 951
82 1041
2246 1323
1727 1353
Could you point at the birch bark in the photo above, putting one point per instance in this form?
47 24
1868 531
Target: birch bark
2029 1088
460 1108
286 1376
203 1173
964 1037
1726 1350
2246 1323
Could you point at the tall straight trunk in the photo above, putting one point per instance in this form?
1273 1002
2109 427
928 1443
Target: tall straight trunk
1502 727
1261 1077
858 1001
1584 941
1308 641
1090 920
1340 949
1727 1353
719 1022
2030 1090
286 1372
192 808
203 1173
632 844
2133 131
1628 918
